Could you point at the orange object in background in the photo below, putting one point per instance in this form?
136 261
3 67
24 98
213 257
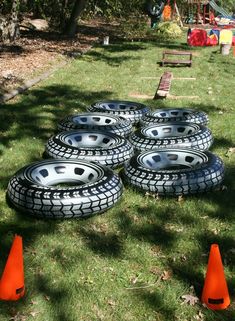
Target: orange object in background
12 281
166 14
215 291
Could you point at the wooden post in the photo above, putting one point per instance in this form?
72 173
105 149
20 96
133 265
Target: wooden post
177 11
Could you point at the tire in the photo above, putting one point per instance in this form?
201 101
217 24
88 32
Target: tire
173 172
97 121
33 189
105 148
155 8
172 135
174 114
127 109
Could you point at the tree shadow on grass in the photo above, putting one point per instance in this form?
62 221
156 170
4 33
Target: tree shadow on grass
189 270
109 59
44 105
109 53
105 244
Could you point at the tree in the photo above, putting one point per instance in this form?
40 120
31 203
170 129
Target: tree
71 25
9 24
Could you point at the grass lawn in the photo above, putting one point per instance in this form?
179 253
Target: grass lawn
137 260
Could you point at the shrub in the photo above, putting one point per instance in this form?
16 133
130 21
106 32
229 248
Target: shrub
169 30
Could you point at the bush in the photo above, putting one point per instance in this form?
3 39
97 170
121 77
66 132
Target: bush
135 27
169 30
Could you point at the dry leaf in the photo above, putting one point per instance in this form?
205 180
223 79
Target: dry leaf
183 258
231 150
33 302
153 195
18 317
155 249
33 313
166 275
134 279
111 303
136 219
180 198
199 316
190 299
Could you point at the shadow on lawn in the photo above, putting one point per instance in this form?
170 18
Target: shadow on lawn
109 59
23 119
158 220
43 105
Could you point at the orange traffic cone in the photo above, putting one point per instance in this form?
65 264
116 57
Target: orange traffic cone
215 291
12 281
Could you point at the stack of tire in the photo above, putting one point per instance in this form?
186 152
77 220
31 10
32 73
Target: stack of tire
172 157
77 178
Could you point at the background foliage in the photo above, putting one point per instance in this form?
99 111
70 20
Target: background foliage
57 12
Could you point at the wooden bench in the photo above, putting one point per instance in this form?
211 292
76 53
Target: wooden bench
164 86
187 61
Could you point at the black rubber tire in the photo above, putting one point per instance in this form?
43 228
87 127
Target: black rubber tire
97 121
95 189
105 148
155 8
174 172
174 114
127 109
172 135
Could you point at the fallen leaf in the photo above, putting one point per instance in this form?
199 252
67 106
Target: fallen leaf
153 195
199 316
183 258
134 279
231 150
18 317
136 219
156 249
190 299
180 198
33 302
33 313
166 275
111 303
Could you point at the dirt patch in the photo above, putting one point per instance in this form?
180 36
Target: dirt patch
35 52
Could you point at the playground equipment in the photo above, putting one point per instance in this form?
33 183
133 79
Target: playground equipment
204 11
198 12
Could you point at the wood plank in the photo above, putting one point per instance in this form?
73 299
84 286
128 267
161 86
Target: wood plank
179 53
164 85
187 62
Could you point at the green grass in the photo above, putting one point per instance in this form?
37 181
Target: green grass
87 270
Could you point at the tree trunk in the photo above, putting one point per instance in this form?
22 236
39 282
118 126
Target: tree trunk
9 26
71 26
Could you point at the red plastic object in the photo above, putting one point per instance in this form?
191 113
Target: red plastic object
12 281
197 38
215 291
212 40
